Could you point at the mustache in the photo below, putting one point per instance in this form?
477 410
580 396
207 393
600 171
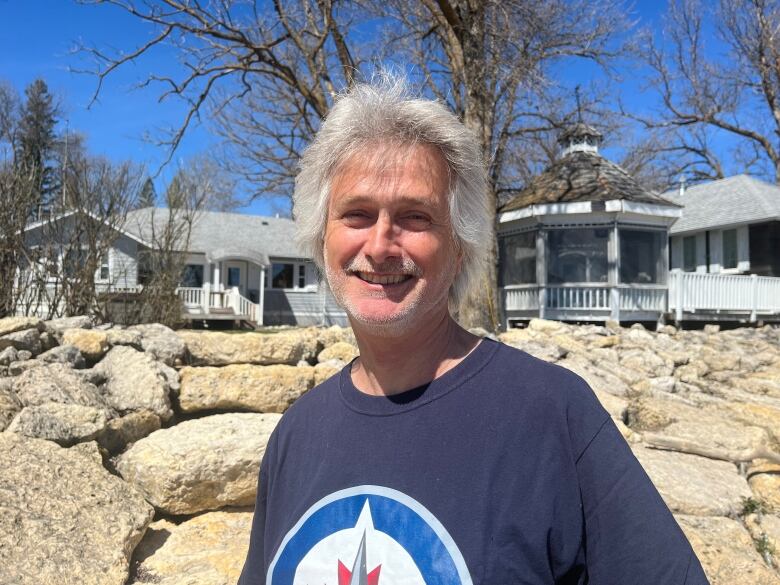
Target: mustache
392 265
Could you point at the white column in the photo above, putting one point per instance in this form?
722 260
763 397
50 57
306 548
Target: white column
217 277
206 299
261 296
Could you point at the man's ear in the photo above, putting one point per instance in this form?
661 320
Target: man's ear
459 262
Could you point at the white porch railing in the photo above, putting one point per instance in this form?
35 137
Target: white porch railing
591 297
692 291
190 296
194 301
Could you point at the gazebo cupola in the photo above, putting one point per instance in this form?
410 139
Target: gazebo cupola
584 241
580 138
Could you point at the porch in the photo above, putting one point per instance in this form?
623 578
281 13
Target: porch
689 296
309 307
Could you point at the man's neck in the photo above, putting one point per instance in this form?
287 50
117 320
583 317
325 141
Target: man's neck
390 365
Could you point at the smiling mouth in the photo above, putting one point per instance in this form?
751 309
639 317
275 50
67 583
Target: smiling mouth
373 278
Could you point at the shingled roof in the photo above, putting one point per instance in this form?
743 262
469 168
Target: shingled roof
583 176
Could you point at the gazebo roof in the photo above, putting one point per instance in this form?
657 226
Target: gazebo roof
583 176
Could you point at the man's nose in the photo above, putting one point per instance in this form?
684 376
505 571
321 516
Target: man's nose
382 240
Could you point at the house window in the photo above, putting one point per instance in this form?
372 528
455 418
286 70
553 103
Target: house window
192 276
641 252
517 259
282 275
730 248
689 253
234 276
104 271
577 255
289 275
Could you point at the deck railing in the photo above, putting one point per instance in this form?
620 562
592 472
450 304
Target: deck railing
692 291
688 292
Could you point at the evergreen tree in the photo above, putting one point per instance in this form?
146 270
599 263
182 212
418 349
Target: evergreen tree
148 197
37 141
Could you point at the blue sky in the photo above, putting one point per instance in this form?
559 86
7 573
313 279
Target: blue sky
38 40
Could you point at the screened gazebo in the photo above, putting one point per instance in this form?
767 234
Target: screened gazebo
584 241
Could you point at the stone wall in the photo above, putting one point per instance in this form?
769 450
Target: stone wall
130 455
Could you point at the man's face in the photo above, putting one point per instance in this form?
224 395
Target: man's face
390 256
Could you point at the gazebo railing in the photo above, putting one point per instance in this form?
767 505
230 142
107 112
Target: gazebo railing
585 296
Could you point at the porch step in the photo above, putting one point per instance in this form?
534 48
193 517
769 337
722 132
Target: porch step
221 311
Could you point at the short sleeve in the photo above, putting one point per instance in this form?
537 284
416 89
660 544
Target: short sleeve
630 534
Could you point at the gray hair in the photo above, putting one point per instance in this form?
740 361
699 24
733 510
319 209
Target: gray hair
385 113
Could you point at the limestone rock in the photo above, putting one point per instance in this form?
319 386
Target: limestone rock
64 520
546 326
209 549
120 432
58 326
92 344
124 337
27 339
65 424
243 387
601 379
10 405
63 354
14 324
765 530
341 350
726 551
134 381
528 341
209 348
762 415
647 362
325 370
56 383
694 485
8 355
161 342
201 464
334 334
708 426
764 480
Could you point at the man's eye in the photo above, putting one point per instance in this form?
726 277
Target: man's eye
416 220
355 216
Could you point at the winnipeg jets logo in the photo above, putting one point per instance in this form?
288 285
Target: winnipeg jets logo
356 556
358 575
368 535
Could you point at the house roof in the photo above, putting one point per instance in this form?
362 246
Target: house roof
219 234
583 176
736 200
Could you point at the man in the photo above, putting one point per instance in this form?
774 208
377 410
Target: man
437 457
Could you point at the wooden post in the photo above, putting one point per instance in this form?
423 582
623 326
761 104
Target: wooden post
613 263
261 306
677 275
754 297
541 268
205 301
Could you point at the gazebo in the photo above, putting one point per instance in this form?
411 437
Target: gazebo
584 241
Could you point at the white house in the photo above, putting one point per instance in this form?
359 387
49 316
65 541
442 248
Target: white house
238 267
730 226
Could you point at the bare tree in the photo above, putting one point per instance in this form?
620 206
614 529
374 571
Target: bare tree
266 75
18 195
167 233
269 75
491 62
731 87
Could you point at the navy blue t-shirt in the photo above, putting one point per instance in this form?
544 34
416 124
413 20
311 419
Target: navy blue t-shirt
506 469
